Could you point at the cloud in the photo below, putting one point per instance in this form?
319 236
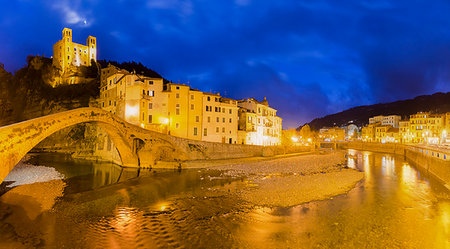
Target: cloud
72 14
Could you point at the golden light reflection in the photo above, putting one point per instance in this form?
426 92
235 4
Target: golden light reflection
366 165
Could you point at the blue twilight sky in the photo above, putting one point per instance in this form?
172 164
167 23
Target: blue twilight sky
309 58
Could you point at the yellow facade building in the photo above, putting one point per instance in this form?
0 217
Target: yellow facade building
220 119
67 53
258 123
180 111
185 111
426 127
332 134
368 132
135 98
404 134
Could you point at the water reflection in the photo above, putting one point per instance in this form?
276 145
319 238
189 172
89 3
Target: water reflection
397 206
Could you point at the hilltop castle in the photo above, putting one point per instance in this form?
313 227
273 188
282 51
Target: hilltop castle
67 53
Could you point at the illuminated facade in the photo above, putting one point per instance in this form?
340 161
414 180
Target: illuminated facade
404 134
426 127
185 111
368 132
135 98
392 120
258 123
332 134
220 119
67 53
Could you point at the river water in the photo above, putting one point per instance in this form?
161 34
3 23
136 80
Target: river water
59 203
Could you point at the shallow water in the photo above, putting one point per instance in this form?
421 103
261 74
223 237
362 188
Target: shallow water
100 205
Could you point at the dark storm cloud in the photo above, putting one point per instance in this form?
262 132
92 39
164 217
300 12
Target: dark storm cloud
309 58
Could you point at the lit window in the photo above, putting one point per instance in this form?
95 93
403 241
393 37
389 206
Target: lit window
152 94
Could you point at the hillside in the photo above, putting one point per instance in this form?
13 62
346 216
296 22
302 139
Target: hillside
436 103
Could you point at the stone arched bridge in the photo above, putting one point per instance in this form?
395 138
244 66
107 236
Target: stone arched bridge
136 146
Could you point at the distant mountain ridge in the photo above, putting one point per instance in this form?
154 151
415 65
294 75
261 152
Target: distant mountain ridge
435 103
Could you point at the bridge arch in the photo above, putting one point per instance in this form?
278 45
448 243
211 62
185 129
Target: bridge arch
18 139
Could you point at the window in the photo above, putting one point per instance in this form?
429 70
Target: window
195 131
223 110
150 105
178 88
150 82
197 119
223 120
217 129
209 119
205 132
209 99
223 129
150 119
217 120
231 111
177 111
143 92
177 125
230 120
151 93
192 96
74 49
192 106
110 103
177 95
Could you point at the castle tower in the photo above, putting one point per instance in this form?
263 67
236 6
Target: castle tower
92 48
67 53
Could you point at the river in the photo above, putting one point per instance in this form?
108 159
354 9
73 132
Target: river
61 203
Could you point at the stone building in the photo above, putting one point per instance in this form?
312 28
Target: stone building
258 123
135 98
67 53
220 119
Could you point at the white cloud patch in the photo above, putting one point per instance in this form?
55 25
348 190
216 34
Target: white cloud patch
71 13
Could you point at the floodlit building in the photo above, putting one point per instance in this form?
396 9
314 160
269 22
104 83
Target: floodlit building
404 134
392 120
135 98
67 53
220 119
426 127
381 133
368 132
332 134
258 123
185 111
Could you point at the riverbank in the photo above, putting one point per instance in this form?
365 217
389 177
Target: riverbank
294 180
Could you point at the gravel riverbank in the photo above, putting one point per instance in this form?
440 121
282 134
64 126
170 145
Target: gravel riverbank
294 180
